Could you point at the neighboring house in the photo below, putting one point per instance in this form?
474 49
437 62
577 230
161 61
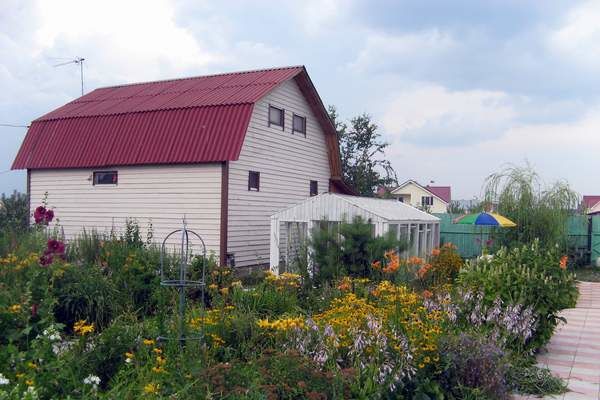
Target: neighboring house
590 204
434 199
225 151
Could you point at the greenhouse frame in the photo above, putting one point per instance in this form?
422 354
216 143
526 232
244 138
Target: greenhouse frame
291 227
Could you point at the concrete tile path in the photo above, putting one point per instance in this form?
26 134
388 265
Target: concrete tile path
574 351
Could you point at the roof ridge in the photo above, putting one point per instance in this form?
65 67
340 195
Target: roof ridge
200 76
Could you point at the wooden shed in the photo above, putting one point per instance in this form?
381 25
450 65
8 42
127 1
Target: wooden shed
294 224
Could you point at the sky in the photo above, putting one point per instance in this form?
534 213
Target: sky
459 89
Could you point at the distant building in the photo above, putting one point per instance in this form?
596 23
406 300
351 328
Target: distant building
434 199
590 204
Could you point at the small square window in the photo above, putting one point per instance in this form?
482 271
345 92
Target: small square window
299 124
105 178
314 188
253 181
427 200
276 116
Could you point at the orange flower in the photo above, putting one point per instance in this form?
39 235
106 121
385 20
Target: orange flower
414 260
392 262
423 270
435 252
345 284
563 262
376 264
427 294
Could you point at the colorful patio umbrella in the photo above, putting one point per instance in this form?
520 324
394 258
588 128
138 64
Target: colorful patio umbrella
485 218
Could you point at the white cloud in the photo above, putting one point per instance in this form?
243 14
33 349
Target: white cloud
318 16
579 36
433 115
417 48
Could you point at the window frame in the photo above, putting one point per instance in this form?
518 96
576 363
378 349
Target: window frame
310 188
429 201
294 130
282 119
250 187
114 183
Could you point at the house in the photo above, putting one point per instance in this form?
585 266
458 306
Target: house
590 204
291 226
434 199
225 151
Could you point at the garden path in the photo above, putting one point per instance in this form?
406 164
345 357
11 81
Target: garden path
574 351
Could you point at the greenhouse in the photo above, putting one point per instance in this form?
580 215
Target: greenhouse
291 227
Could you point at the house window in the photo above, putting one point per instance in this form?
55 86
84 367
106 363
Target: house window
254 181
105 178
401 199
314 188
299 124
276 116
427 200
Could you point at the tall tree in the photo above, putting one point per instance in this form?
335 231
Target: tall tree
362 152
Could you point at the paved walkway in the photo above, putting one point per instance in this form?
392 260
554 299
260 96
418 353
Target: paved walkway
574 351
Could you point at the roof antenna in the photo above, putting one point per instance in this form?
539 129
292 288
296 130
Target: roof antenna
77 60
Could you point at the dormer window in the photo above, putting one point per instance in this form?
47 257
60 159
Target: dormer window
299 124
276 116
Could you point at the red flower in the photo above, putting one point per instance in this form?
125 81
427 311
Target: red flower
56 246
39 215
43 216
34 308
46 260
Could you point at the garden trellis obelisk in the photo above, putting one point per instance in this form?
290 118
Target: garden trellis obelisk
176 271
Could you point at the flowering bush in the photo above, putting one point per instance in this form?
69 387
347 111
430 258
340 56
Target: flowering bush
537 281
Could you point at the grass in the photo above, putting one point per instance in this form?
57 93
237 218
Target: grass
588 274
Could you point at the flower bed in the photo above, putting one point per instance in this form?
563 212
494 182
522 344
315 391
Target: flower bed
81 322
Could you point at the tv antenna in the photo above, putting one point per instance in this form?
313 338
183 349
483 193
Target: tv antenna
79 61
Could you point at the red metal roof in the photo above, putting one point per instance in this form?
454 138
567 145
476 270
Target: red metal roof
590 201
202 119
443 192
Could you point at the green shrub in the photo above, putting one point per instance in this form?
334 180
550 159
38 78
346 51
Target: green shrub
347 248
528 275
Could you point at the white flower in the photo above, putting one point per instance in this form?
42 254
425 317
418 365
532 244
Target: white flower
128 360
92 380
3 380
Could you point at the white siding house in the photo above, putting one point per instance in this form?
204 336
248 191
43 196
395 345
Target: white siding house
286 161
204 148
424 197
160 195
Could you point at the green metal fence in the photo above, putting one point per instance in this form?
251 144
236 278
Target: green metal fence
469 238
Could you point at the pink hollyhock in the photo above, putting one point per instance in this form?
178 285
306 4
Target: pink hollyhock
46 260
55 246
39 215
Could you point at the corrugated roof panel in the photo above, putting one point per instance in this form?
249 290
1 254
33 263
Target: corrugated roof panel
201 119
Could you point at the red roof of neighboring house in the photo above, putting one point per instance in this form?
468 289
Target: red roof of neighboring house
190 120
443 192
590 201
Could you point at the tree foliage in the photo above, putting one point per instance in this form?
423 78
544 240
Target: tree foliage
14 210
362 152
540 211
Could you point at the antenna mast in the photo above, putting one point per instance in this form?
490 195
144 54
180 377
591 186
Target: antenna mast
77 60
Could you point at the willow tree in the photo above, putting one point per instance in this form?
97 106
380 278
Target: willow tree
540 211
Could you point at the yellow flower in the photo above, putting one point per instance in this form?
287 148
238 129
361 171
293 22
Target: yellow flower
82 328
224 291
15 308
32 365
161 360
29 382
213 286
19 375
129 355
148 342
158 370
421 366
151 388
157 350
